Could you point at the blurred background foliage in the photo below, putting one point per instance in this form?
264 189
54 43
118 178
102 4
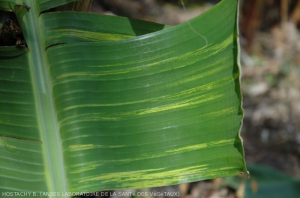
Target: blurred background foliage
270 45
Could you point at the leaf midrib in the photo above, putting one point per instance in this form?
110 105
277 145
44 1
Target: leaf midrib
47 120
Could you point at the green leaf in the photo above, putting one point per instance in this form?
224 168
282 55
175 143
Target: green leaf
7 4
124 104
63 27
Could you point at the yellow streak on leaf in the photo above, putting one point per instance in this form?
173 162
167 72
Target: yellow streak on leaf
80 147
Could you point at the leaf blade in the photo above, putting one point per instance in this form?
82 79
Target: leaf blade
68 27
163 93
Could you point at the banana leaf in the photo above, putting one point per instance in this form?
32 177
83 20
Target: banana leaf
97 102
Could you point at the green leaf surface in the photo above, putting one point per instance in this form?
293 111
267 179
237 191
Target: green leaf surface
7 5
104 111
65 27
